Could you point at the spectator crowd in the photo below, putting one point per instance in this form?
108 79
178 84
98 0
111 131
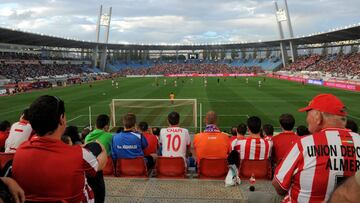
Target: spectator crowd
325 153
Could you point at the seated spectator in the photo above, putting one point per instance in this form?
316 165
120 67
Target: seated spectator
20 131
73 133
4 134
316 163
253 147
268 131
10 191
175 141
212 143
233 134
284 141
45 167
156 131
120 129
150 152
302 130
241 131
84 133
351 124
101 133
128 144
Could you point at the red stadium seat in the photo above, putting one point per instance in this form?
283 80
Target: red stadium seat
214 168
47 201
4 158
131 168
109 168
170 167
260 168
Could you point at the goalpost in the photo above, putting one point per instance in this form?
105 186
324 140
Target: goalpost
155 111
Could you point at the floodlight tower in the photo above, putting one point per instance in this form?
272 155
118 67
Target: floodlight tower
103 20
283 15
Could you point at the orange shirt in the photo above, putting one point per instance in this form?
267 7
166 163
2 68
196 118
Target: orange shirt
211 145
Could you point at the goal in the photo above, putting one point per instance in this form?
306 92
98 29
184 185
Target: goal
155 111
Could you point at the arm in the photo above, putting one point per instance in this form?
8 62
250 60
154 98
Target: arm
347 192
17 193
102 157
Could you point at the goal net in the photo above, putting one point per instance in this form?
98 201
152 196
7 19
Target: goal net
155 111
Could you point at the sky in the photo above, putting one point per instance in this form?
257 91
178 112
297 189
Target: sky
176 21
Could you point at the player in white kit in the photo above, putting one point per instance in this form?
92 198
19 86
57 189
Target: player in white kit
175 141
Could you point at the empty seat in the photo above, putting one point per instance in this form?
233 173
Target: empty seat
260 168
170 167
131 168
213 168
108 170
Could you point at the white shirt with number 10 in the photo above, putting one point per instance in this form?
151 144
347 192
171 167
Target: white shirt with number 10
174 141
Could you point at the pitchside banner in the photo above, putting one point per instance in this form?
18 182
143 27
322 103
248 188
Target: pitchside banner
210 75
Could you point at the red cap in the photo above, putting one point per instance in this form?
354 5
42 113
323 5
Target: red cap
327 103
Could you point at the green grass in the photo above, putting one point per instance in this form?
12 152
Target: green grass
232 99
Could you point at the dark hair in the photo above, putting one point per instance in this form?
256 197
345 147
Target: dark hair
129 120
287 121
254 124
4 126
156 131
174 118
120 129
233 131
73 133
65 139
102 120
241 129
25 114
350 124
45 113
302 130
143 126
268 129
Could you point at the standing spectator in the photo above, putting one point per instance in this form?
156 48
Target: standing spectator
317 163
150 152
253 147
20 131
212 143
284 141
45 167
128 143
268 131
4 134
175 141
302 130
350 124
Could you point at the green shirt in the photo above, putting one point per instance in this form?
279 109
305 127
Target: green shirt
103 137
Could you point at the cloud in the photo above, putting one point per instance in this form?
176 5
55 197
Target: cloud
176 21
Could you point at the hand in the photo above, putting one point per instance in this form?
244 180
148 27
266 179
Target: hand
17 193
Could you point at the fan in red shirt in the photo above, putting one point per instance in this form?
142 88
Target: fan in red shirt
284 141
48 169
151 150
253 147
268 132
4 133
317 163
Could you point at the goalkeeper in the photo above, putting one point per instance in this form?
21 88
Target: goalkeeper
172 97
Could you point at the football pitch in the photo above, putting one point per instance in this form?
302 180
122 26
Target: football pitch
233 99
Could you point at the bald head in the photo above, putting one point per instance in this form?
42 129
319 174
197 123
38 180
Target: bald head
211 118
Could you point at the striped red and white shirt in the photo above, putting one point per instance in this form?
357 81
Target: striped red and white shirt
316 164
19 132
252 148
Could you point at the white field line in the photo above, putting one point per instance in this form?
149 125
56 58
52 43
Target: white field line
354 117
75 118
15 110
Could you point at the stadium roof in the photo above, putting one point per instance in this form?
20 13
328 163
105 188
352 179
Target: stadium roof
12 36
